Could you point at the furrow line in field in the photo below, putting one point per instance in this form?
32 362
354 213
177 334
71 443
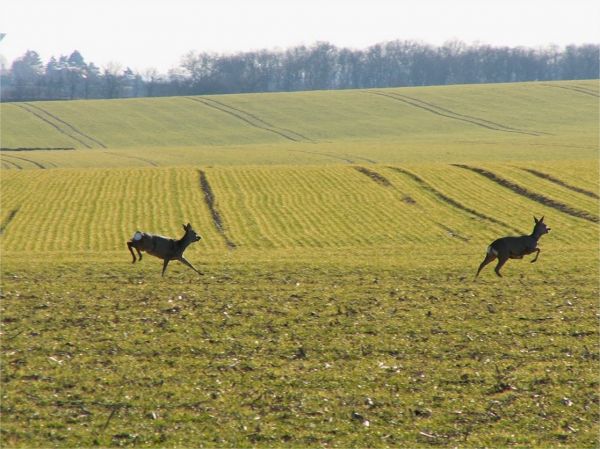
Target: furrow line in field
580 90
54 125
88 234
11 215
209 198
67 124
260 207
37 164
282 215
220 107
98 209
326 217
560 183
313 223
448 200
147 161
59 218
531 195
437 110
106 230
157 190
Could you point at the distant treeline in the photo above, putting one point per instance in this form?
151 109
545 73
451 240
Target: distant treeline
320 66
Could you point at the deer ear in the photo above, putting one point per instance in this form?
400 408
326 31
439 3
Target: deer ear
535 219
184 227
542 219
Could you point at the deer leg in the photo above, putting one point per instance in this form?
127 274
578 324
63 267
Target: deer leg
129 245
139 253
166 262
501 262
536 255
488 258
184 261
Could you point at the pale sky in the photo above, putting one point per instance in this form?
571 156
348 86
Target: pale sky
158 33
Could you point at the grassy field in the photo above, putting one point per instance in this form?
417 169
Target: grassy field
528 121
338 306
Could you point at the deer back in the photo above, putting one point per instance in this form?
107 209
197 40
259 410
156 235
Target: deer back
156 245
517 246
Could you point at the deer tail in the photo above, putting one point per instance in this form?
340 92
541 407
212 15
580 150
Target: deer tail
491 251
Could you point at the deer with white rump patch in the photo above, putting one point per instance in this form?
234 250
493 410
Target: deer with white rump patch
514 247
164 248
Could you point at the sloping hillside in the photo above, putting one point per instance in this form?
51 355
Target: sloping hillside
314 127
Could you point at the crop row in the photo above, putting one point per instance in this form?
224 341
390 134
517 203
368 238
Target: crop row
279 207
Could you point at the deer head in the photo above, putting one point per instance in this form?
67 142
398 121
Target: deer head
540 227
190 233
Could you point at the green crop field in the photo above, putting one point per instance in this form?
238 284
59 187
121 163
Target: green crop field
341 232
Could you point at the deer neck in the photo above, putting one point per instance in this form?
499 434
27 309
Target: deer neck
536 234
184 242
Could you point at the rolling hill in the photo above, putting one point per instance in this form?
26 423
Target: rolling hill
528 121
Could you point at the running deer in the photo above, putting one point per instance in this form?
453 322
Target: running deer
514 247
164 247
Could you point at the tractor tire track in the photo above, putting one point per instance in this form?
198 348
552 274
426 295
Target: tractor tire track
209 198
58 128
531 195
471 117
339 158
258 119
378 178
8 219
249 119
452 233
585 89
14 164
37 149
384 182
450 201
147 161
371 161
437 110
560 183
580 90
68 125
37 164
